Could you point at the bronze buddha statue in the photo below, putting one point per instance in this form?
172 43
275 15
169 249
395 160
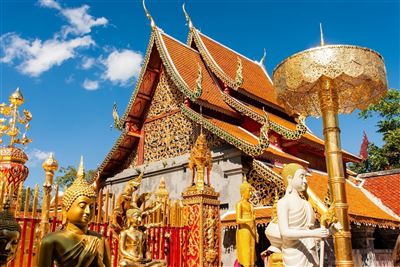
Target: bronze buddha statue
10 234
75 245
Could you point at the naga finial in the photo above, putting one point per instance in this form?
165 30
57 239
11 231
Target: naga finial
262 60
152 23
322 43
188 20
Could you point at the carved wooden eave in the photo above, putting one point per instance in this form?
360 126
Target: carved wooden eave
298 133
251 146
258 116
243 140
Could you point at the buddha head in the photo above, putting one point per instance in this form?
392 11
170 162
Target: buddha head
134 216
79 200
294 177
245 189
10 234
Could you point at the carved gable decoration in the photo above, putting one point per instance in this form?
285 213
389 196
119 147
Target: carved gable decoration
166 97
168 137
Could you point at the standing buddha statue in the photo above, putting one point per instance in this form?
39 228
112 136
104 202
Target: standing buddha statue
246 233
75 245
296 220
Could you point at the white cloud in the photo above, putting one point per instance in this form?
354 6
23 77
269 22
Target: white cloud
90 85
121 66
80 21
37 56
50 4
87 63
37 156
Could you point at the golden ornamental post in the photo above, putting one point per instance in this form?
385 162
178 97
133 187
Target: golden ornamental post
329 80
50 165
12 159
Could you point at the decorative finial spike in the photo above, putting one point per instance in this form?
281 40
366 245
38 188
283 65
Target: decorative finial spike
262 60
322 34
188 20
152 23
81 171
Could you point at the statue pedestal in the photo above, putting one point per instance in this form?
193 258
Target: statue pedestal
202 217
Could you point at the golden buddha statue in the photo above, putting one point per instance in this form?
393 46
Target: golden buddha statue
75 245
246 233
124 202
10 234
132 243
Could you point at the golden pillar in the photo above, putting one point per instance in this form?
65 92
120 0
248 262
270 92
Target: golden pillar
50 165
201 211
329 80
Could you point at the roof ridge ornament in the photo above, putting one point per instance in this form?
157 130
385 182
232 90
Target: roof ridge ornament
152 23
118 124
262 60
322 42
239 73
188 20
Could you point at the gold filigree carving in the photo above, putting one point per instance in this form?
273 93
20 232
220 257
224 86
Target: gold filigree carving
358 72
166 97
167 137
265 189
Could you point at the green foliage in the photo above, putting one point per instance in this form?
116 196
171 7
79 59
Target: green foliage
68 175
387 156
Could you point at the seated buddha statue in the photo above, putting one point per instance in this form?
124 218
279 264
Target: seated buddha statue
132 243
10 234
246 233
296 220
75 245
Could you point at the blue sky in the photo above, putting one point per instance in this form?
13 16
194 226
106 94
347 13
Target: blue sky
73 59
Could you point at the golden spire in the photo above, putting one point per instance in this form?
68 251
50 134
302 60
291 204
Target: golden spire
322 34
188 20
262 60
152 23
80 174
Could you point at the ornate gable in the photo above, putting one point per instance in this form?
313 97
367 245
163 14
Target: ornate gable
168 133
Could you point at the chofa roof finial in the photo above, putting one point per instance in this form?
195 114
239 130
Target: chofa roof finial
188 20
322 34
262 60
152 23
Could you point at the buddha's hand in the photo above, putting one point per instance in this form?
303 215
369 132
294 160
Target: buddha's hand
320 232
89 252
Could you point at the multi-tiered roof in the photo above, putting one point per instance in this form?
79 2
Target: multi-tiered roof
228 94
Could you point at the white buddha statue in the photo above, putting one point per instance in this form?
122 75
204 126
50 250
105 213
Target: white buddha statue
296 220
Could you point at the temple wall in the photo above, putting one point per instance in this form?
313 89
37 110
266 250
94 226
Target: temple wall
226 176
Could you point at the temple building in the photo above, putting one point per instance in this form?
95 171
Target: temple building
202 85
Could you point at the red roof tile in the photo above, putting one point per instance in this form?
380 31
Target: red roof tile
387 189
187 62
255 79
